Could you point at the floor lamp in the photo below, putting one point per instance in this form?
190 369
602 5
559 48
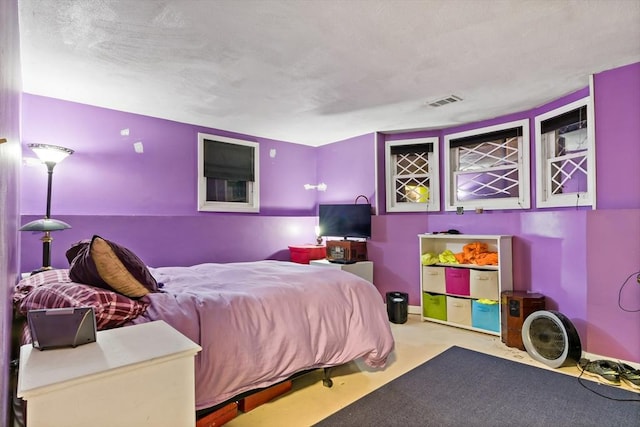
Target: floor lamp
50 155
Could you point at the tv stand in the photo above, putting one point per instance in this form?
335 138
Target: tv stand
362 269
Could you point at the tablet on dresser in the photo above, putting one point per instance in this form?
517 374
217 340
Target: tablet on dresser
62 327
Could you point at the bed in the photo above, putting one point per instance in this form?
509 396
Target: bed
258 323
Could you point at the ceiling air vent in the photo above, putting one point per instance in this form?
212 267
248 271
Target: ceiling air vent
444 101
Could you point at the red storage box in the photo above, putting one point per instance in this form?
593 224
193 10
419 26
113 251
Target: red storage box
304 253
457 281
219 417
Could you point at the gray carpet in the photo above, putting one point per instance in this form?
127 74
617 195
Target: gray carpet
461 387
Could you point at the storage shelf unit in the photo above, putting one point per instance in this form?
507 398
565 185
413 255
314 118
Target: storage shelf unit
450 292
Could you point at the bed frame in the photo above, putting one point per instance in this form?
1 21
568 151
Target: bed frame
245 402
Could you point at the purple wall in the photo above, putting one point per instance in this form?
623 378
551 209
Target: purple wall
613 263
617 109
163 240
148 201
10 87
105 176
348 169
555 251
548 252
613 245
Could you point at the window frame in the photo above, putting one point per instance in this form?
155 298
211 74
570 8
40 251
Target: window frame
543 178
523 201
253 188
433 203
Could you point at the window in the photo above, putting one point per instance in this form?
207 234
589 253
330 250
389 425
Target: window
412 175
564 156
228 171
488 168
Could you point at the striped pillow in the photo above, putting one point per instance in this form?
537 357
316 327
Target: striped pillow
39 279
111 309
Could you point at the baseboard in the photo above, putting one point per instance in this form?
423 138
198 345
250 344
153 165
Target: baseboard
414 309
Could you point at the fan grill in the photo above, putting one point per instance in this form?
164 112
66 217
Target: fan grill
548 337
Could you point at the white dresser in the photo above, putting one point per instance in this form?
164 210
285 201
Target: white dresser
140 375
363 269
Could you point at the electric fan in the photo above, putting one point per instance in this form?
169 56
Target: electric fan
550 337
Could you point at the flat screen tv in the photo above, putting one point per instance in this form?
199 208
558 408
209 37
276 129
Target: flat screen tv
345 221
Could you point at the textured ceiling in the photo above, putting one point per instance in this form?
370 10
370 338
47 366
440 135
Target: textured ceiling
315 72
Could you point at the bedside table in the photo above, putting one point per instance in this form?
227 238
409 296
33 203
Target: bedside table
362 269
141 375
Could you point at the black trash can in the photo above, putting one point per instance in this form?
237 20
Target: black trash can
397 306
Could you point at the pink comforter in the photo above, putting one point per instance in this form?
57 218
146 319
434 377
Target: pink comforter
260 322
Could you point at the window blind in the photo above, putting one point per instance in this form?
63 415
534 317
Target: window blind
569 118
486 137
412 148
231 162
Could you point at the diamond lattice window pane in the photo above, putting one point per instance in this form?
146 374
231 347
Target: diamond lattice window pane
409 164
412 178
501 183
488 154
569 174
412 190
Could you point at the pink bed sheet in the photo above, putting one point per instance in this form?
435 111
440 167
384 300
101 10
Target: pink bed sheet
260 322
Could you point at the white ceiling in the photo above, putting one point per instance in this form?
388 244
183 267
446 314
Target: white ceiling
315 72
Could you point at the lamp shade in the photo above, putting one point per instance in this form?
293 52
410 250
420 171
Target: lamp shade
50 153
45 224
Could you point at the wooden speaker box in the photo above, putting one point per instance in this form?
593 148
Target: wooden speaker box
346 251
516 306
